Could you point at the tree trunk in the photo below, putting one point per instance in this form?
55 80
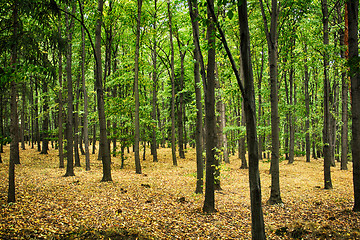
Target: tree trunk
45 125
136 92
37 128
326 129
61 103
70 96
257 226
271 37
210 119
154 93
353 10
193 9
22 132
307 107
105 156
77 137
344 95
173 142
14 125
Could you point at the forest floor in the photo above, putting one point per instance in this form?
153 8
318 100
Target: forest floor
161 204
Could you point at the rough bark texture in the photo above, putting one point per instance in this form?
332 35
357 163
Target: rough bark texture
353 9
326 129
271 37
210 119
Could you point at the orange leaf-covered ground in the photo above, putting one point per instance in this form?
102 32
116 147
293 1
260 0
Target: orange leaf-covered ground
161 204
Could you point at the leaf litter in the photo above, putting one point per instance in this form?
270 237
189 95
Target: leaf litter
161 203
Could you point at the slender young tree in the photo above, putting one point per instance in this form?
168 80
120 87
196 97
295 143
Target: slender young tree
353 11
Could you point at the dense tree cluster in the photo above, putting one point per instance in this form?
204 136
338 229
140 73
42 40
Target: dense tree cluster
182 74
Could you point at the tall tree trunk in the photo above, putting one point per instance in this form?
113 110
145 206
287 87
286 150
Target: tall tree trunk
307 107
257 226
136 92
70 97
105 156
271 37
61 103
344 94
326 129
210 118
353 11
154 93
194 13
14 126
173 142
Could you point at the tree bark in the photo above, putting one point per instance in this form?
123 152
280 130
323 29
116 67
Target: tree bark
136 92
344 94
154 93
14 124
257 226
271 37
307 107
173 142
326 129
70 96
194 14
105 156
61 104
210 119
353 11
